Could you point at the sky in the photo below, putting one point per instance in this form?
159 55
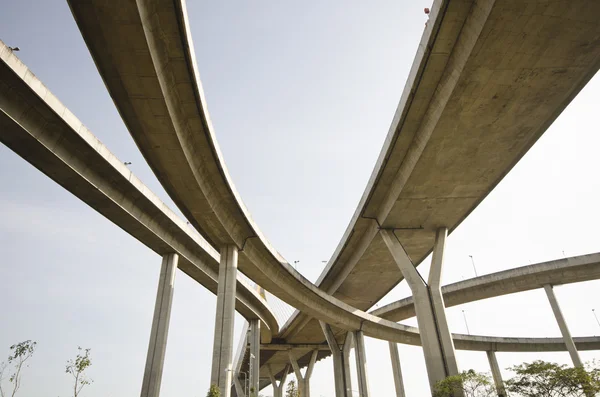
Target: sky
301 96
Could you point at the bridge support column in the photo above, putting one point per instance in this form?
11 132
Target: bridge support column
303 381
254 357
396 370
160 327
436 339
491 355
562 324
341 361
222 371
361 364
278 388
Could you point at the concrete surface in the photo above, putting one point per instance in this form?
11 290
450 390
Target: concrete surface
157 346
40 129
496 374
222 358
396 370
562 324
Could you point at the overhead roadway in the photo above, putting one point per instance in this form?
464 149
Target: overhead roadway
153 80
40 129
557 272
488 79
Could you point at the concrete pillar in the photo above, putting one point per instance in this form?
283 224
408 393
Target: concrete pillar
431 341
341 362
237 365
239 387
222 371
396 370
491 355
562 324
437 301
160 327
303 381
254 337
361 364
348 344
278 388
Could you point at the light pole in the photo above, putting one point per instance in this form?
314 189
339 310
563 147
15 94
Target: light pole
473 262
466 325
596 317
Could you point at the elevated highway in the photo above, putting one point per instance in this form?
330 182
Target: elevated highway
519 279
487 81
557 272
40 129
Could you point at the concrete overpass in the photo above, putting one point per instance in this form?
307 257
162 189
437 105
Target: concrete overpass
40 129
489 78
519 279
515 280
487 81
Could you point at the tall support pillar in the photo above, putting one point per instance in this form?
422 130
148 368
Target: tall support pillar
346 350
437 302
491 355
562 324
396 370
240 388
222 371
254 356
433 332
361 364
160 327
278 388
303 381
341 362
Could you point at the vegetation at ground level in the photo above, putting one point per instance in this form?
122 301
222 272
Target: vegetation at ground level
291 390
214 391
17 362
536 379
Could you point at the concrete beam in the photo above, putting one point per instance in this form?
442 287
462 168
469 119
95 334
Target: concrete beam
222 370
361 364
496 374
297 346
303 381
396 370
562 324
160 327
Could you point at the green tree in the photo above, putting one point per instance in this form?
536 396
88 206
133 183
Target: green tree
20 353
291 390
214 391
544 379
467 383
77 369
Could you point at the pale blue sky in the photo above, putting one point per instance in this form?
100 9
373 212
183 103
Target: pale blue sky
301 96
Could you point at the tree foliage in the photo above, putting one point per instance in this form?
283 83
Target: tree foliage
20 353
214 391
544 379
467 383
77 367
291 390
